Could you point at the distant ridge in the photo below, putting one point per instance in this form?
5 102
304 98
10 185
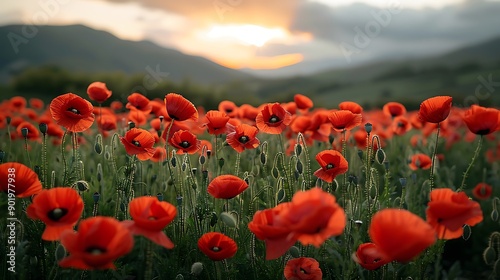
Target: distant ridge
80 48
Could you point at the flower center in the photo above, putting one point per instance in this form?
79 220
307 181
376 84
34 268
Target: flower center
151 218
184 144
95 250
303 271
216 249
74 111
274 119
243 139
136 143
330 166
57 214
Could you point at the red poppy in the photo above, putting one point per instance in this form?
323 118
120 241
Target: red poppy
217 246
420 161
394 109
107 122
36 103
229 108
482 191
313 216
216 122
303 102
72 112
33 132
98 92
447 212
481 120
179 108
137 116
150 216
138 141
266 226
242 137
303 269
400 235
248 112
226 186
116 105
17 103
59 208
369 256
98 242
344 120
320 128
332 164
139 102
185 142
354 107
159 155
435 109
273 119
400 125
18 180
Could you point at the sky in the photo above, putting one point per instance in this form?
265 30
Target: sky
294 36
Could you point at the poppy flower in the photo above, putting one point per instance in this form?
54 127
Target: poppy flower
107 122
394 109
435 109
277 237
344 120
159 155
303 102
98 92
22 177
179 108
139 102
313 217
273 119
229 108
137 116
116 105
72 112
482 191
216 122
354 107
36 103
248 112
185 142
98 242
138 141
368 256
33 132
447 212
150 216
226 186
420 161
303 269
217 246
332 164
59 208
242 137
481 120
400 125
17 103
400 235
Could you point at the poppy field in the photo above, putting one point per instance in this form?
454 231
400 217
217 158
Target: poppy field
166 189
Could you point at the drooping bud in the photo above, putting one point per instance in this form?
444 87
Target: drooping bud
98 144
196 268
380 156
294 251
43 128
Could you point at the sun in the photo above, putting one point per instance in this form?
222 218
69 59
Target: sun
247 34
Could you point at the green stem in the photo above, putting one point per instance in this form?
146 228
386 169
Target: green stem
433 159
476 153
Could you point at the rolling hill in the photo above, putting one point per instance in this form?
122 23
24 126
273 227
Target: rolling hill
82 49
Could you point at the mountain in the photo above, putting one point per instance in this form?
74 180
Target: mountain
82 49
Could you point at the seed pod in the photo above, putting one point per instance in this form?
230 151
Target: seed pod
96 196
294 251
43 128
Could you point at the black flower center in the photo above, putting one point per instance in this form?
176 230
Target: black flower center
243 139
483 131
74 111
57 214
330 166
215 249
274 119
184 144
94 250
136 143
303 271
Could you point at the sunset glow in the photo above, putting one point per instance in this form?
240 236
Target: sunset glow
247 34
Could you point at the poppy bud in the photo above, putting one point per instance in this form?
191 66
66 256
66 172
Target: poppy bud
380 156
123 207
98 144
99 172
494 215
81 185
96 196
8 120
294 251
353 179
131 125
467 232
368 128
179 277
159 196
179 200
221 162
489 255
205 174
24 132
263 158
360 154
2 155
331 139
38 171
173 161
60 252
196 268
43 128
213 219
202 159
275 172
228 219
298 149
33 261
299 167
402 181
281 195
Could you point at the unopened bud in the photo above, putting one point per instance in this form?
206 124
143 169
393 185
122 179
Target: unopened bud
43 128
196 268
